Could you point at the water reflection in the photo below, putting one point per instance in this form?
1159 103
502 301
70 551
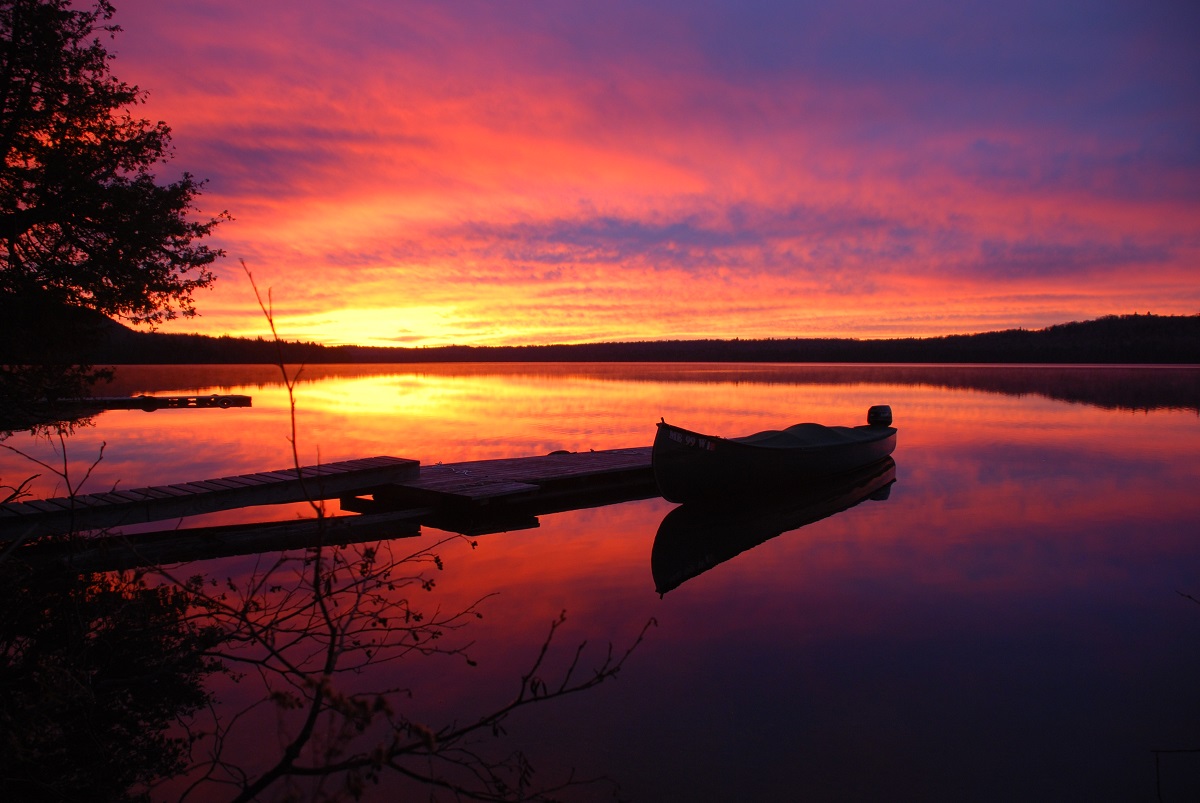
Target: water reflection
694 538
95 672
1007 626
1114 387
161 683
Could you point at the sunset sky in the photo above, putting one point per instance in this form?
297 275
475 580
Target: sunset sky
407 173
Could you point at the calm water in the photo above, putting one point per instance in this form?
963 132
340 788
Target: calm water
1009 623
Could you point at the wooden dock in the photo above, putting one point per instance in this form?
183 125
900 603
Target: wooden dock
106 553
486 496
472 498
150 403
20 520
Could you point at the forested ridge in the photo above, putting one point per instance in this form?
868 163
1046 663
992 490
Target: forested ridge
1114 339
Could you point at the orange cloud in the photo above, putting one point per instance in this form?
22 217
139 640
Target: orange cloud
430 176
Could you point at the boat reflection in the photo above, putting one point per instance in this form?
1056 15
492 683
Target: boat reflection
694 538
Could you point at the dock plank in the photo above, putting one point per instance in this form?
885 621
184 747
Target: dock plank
129 495
160 502
156 493
223 483
283 475
59 502
42 506
78 502
247 480
172 491
208 485
188 488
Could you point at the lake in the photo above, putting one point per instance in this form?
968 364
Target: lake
1014 618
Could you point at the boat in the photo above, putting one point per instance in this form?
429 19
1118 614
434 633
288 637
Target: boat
693 539
693 467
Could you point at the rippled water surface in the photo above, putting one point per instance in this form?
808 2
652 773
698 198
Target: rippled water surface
1012 619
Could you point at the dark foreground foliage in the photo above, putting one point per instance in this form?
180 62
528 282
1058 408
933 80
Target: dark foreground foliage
94 671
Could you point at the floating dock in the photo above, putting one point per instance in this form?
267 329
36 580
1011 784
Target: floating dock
106 553
471 498
487 496
150 403
20 520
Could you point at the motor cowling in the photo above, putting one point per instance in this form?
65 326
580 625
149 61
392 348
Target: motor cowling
880 416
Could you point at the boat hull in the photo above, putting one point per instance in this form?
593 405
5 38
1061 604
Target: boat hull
693 467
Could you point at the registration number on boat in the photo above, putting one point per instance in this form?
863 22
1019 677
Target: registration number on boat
688 439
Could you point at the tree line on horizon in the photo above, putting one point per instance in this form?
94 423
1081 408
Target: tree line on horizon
1123 339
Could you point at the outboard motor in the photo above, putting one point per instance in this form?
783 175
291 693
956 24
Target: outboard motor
880 416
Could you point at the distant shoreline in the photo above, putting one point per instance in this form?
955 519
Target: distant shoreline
1124 387
1126 339
1112 340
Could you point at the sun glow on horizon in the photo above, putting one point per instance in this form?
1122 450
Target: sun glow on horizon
429 176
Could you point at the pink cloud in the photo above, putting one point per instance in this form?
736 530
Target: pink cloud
550 174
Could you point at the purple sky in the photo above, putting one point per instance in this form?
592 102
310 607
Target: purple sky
424 173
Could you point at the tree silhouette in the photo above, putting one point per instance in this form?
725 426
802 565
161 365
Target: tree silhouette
83 220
